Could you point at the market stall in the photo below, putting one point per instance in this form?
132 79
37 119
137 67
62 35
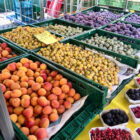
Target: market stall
74 77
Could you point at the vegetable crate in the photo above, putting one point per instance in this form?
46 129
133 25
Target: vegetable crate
93 104
60 22
6 39
15 50
122 58
129 39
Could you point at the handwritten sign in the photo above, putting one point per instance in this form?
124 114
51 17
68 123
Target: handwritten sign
46 37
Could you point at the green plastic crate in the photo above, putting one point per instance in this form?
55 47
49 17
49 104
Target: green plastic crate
124 59
15 49
133 40
7 30
93 105
60 22
135 24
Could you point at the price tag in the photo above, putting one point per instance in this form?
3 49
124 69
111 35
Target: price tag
46 37
132 11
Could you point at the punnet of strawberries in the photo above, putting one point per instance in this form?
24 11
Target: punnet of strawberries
110 134
138 131
136 111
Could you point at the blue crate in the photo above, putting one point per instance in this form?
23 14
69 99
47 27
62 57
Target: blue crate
26 9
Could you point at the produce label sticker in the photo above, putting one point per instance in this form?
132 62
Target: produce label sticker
46 37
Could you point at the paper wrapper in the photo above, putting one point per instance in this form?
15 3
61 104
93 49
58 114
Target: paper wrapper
56 126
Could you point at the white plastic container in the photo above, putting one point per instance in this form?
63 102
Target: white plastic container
106 125
136 134
136 120
136 83
130 100
114 127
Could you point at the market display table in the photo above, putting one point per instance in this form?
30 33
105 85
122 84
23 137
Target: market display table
118 102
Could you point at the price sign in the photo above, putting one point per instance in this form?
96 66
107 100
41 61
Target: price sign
46 37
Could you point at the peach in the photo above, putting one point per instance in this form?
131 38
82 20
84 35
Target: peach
38 70
49 79
61 109
21 119
36 74
5 53
29 122
42 101
23 68
44 76
65 88
71 92
67 104
7 94
24 60
29 91
25 130
31 78
44 116
43 66
47 110
61 96
15 86
8 103
37 121
48 71
33 66
77 96
30 73
8 82
61 102
36 86
24 84
63 81
44 123
15 102
56 83
18 125
15 78
28 112
12 66
47 86
53 117
34 95
57 90
41 92
53 73
18 110
70 84
33 129
39 79
25 102
16 93
30 82
5 70
52 97
70 99
15 73
24 79
18 65
20 73
54 111
23 91
10 109
41 133
38 63
13 117
3 88
34 101
58 77
55 103
38 109
27 65
32 137
5 75
25 96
